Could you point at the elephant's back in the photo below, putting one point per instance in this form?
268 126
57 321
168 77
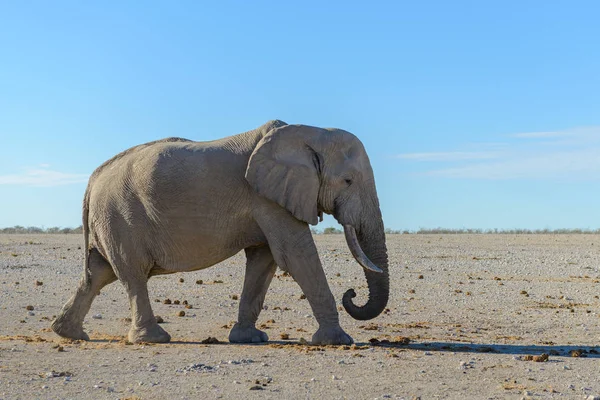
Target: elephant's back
169 190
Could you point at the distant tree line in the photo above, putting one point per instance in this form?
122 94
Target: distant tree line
446 231
36 229
335 231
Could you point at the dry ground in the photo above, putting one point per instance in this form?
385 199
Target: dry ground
472 307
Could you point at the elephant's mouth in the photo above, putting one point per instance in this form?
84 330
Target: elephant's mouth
357 252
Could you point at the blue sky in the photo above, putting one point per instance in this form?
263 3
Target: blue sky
476 114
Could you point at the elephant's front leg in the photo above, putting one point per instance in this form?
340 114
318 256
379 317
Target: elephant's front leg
294 251
260 268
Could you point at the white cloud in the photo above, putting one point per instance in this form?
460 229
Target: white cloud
43 177
572 154
449 156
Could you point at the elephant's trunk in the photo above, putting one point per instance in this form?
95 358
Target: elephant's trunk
369 250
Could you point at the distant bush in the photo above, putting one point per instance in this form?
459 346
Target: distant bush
545 231
331 231
34 229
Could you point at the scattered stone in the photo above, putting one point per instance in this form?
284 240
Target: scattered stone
577 353
29 308
197 368
181 280
60 349
242 361
97 316
210 340
159 319
370 327
181 313
256 387
167 301
55 374
420 277
199 282
185 302
541 358
234 297
302 296
285 336
176 302
188 306
39 283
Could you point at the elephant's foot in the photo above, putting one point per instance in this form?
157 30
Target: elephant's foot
63 328
247 334
149 334
331 335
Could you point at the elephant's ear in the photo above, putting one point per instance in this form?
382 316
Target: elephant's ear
283 168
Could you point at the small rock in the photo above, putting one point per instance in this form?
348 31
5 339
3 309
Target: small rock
167 301
29 308
591 397
97 316
181 313
176 302
256 387
159 319
31 313
420 277
285 336
181 280
39 283
199 282
210 340
302 296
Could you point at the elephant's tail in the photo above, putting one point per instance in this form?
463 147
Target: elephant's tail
86 235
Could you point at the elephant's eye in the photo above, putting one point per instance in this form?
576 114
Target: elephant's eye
348 181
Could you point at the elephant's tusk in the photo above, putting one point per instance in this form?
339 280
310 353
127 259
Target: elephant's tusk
357 251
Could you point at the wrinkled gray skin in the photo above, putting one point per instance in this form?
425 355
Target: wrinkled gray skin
176 205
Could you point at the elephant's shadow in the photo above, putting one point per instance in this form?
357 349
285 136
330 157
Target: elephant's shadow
453 347
513 349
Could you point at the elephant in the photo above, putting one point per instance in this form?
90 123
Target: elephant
176 205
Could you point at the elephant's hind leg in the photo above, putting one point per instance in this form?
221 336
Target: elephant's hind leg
260 268
69 323
144 327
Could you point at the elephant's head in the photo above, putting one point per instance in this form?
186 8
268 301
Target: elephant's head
309 171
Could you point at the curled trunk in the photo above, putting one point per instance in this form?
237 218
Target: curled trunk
369 249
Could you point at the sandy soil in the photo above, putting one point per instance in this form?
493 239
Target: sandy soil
473 308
